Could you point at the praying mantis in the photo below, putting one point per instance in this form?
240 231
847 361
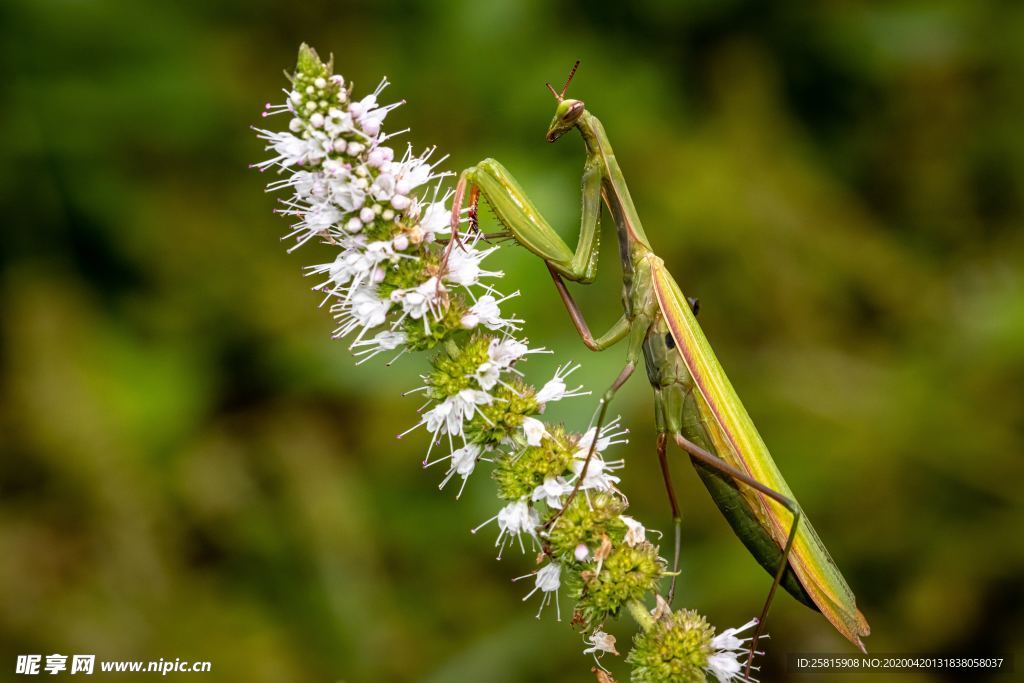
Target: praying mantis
696 407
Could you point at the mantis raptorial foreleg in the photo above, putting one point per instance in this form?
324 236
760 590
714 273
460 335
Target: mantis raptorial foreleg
717 463
517 214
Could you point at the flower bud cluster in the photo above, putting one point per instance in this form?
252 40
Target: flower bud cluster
681 647
402 281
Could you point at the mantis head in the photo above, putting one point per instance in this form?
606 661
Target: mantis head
568 112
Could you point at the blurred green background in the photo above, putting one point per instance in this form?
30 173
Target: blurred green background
192 469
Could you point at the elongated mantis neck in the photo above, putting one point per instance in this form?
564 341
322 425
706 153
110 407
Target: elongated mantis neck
615 191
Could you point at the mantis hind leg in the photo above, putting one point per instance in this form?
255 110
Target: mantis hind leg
717 463
677 518
666 424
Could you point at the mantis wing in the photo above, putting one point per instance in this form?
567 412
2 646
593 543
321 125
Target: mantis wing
739 444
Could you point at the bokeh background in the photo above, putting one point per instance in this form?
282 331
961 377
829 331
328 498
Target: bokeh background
192 469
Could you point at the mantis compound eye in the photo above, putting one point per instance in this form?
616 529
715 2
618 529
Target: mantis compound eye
575 111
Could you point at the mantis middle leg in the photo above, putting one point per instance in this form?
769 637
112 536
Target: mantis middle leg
602 413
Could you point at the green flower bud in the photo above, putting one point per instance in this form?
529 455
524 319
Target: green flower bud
454 367
406 274
312 83
676 650
628 573
310 65
503 417
381 229
441 330
588 518
518 474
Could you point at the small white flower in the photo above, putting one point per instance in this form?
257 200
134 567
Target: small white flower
548 579
436 219
487 375
364 310
505 352
449 416
463 463
486 312
598 476
370 126
730 654
514 520
383 341
419 301
464 459
379 156
321 216
317 219
517 518
556 390
371 115
290 150
303 182
581 553
467 401
368 308
727 640
337 122
635 532
610 435
464 266
443 418
383 188
413 173
533 430
348 195
600 642
353 265
552 491
339 271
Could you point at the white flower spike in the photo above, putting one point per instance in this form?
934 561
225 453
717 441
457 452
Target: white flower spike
394 283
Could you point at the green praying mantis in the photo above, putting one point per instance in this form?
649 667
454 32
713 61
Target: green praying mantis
696 407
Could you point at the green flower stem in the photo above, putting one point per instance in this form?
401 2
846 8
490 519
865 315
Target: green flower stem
640 614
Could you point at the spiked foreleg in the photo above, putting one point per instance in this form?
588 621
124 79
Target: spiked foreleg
514 210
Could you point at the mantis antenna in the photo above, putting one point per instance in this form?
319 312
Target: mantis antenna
561 95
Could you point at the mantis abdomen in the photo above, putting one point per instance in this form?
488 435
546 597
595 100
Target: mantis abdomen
677 411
